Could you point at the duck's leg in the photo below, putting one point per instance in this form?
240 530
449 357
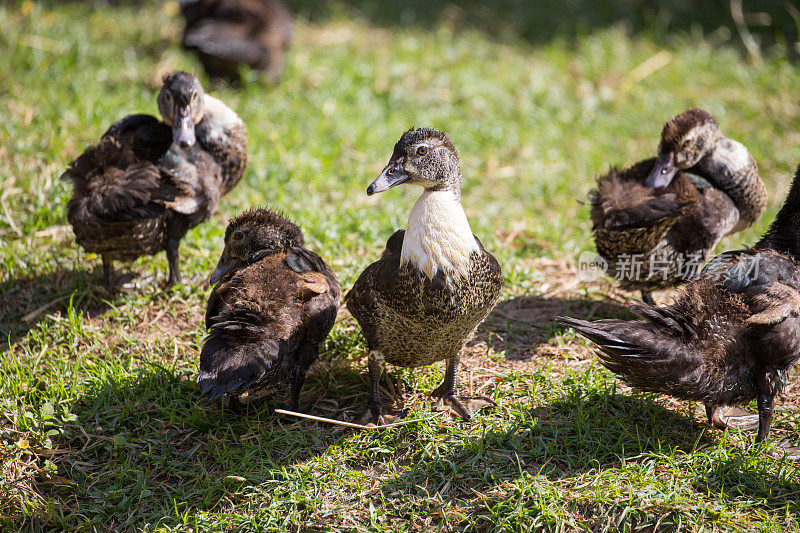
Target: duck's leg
764 415
376 363
173 251
298 378
108 272
647 297
447 392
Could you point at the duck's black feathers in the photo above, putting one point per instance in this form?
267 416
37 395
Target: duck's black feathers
729 338
266 320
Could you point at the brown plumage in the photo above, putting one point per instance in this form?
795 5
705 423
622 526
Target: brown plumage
228 33
148 181
732 335
435 282
660 215
274 304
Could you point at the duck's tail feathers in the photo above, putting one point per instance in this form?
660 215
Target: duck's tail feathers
645 355
232 367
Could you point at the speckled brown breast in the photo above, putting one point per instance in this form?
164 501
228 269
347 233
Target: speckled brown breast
415 321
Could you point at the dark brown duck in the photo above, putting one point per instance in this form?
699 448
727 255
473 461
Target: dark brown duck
229 33
732 335
655 222
148 181
274 303
435 282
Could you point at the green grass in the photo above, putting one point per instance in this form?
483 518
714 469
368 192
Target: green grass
101 424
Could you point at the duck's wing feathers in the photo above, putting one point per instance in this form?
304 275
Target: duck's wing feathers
237 31
765 280
375 281
250 323
627 216
118 178
228 41
266 319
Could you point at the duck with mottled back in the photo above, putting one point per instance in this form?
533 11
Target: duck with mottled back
148 181
656 222
731 336
274 303
434 283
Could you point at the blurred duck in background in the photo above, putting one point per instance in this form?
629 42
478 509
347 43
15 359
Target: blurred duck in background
228 33
148 181
656 221
274 303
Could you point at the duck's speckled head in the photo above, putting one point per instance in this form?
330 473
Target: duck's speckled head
180 103
424 157
252 235
685 139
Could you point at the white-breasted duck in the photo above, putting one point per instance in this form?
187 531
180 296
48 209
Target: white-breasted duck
732 335
228 33
274 303
655 222
434 283
148 181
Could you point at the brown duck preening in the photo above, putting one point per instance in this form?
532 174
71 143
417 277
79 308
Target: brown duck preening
659 215
434 283
274 303
732 335
229 33
148 181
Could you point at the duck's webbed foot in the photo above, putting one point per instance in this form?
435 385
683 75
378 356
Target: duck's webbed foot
447 393
376 415
725 416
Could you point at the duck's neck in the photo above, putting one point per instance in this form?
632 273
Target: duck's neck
730 167
222 133
784 233
438 236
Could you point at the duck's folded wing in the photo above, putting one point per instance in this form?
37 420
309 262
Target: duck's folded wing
777 303
628 217
621 204
117 178
764 280
314 275
377 279
230 41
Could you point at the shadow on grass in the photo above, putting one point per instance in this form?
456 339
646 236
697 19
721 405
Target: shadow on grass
139 446
570 436
581 433
519 325
147 449
26 300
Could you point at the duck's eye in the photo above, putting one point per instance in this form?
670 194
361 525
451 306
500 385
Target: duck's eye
168 97
238 235
422 150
